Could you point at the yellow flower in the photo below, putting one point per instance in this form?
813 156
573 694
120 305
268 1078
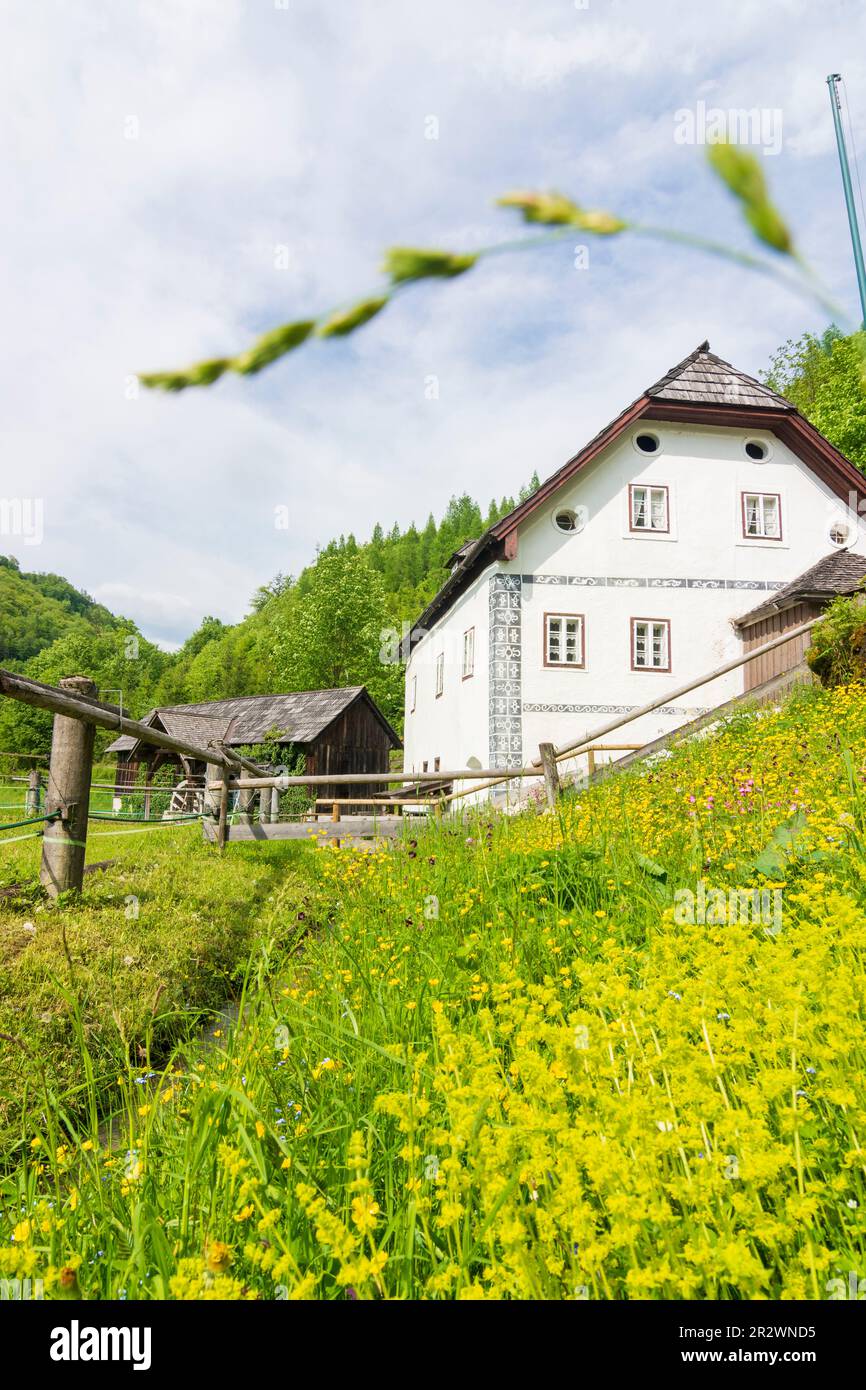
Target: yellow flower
218 1256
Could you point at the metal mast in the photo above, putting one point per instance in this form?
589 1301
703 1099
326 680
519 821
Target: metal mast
832 82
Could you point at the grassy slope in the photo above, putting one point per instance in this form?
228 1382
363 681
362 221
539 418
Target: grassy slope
501 1068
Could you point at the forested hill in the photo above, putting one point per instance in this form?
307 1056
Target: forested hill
36 609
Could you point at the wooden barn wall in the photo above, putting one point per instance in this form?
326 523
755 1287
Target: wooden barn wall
355 742
789 654
125 774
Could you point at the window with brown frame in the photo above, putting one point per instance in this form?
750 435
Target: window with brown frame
762 516
440 674
414 694
564 640
648 508
468 653
650 644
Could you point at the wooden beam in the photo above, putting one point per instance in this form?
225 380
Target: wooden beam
360 827
337 779
366 801
776 685
80 706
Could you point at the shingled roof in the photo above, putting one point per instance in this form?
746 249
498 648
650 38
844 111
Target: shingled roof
702 387
703 377
300 715
841 572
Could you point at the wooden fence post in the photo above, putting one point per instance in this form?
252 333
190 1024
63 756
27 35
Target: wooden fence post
265 805
275 805
590 765
222 823
245 802
551 772
335 811
211 804
34 793
65 840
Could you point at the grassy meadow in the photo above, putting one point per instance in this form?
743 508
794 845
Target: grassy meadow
504 1058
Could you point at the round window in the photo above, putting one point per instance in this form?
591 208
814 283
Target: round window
566 520
840 533
756 449
647 443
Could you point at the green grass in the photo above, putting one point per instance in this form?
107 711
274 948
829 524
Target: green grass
158 937
494 1060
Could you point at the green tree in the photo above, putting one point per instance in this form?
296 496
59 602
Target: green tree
333 632
823 377
125 666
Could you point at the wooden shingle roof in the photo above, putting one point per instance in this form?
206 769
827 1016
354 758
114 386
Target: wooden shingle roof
704 378
300 716
840 572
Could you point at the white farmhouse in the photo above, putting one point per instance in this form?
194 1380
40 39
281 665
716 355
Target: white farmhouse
628 571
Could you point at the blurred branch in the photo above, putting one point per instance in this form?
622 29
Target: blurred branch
405 266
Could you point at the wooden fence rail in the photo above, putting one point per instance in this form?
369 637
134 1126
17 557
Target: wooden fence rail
73 701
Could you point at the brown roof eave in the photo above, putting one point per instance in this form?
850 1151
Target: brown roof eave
584 456
770 609
487 549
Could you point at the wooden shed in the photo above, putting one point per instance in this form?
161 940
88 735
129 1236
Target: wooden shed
338 731
796 603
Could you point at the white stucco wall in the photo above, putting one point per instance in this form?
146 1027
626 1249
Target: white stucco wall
452 727
609 575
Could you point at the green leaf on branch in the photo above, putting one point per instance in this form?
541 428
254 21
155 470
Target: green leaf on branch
347 320
272 346
743 175
555 210
266 349
201 374
601 223
548 209
403 263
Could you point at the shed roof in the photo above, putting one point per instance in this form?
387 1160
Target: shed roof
840 572
300 715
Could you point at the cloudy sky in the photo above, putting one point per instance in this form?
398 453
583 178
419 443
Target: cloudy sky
183 174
